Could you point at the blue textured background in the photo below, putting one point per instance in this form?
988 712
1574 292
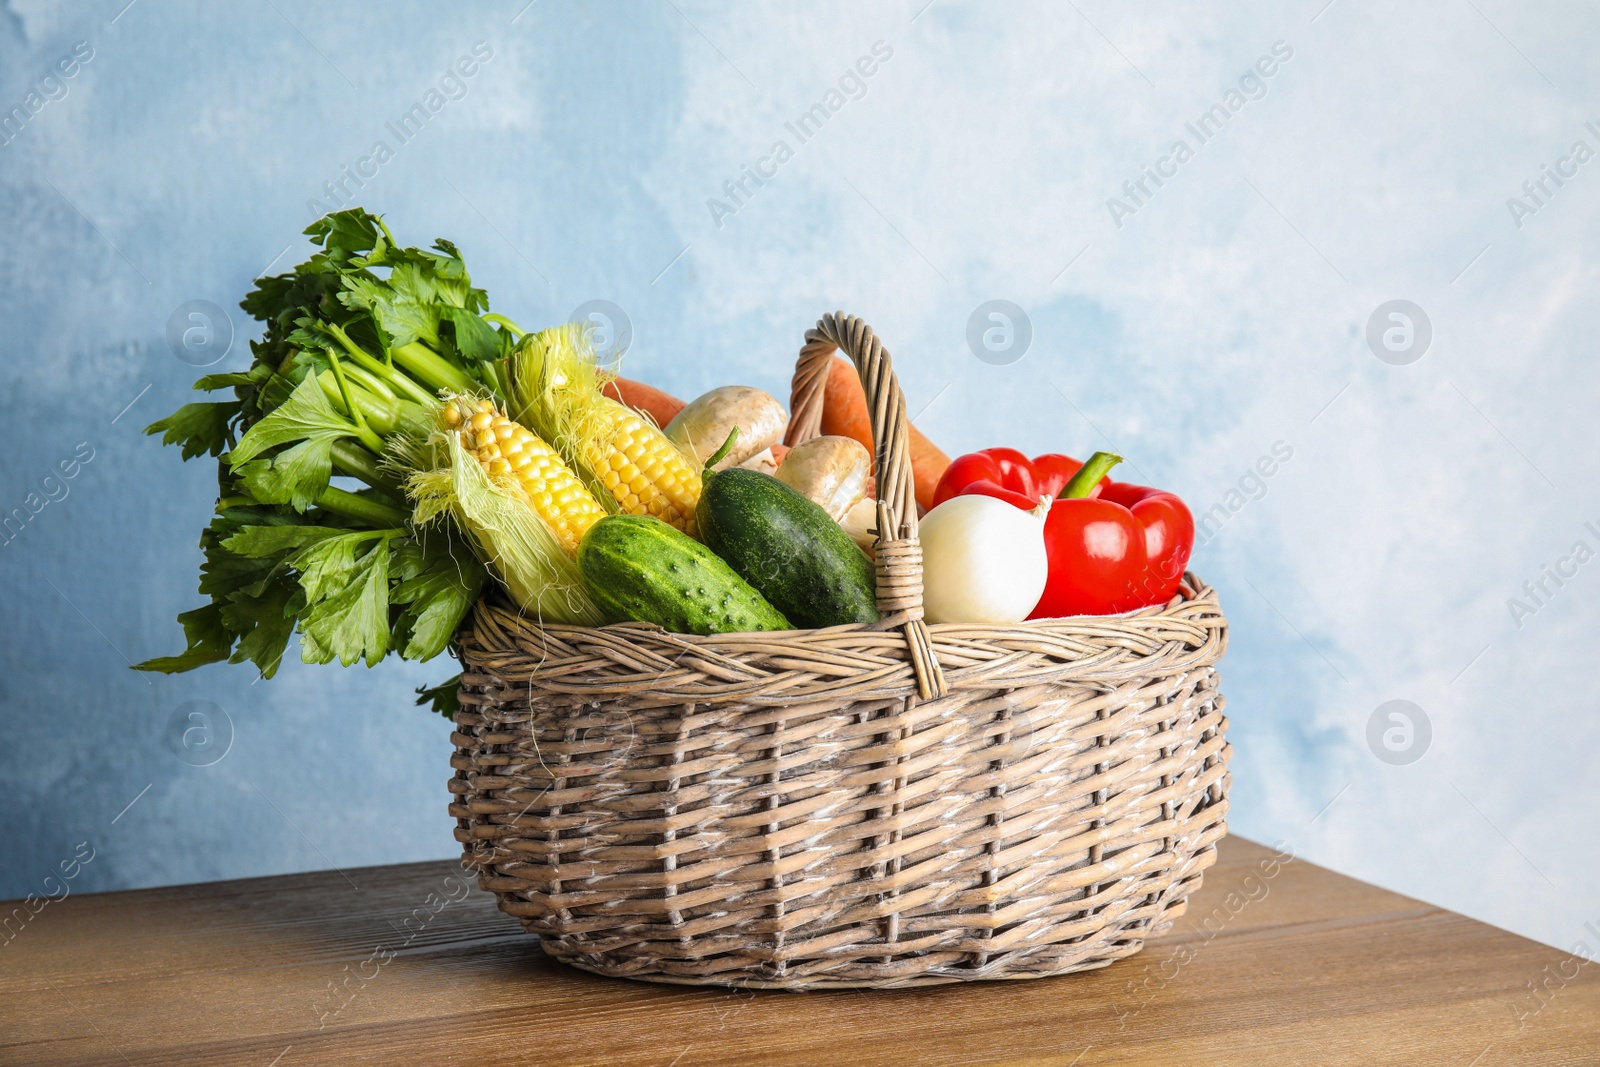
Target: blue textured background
1227 314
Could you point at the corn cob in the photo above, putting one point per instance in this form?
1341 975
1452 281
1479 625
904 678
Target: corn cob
516 459
643 471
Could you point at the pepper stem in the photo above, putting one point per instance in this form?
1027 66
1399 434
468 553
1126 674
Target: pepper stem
1089 475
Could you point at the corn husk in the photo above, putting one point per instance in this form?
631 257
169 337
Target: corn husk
553 386
554 390
515 543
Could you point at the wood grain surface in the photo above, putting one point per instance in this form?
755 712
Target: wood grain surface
1277 962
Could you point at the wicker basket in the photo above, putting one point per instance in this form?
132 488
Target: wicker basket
890 805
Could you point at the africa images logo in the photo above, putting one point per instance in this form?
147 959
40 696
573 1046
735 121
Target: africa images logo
852 85
53 85
1252 86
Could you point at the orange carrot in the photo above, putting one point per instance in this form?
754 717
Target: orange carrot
844 405
844 412
646 399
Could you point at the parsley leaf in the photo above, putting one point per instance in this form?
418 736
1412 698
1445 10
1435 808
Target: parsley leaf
201 428
437 587
445 698
352 623
208 639
298 475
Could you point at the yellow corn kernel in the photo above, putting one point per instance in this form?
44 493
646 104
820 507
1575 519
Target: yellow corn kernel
644 472
517 459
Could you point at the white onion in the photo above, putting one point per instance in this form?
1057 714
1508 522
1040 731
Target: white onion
983 561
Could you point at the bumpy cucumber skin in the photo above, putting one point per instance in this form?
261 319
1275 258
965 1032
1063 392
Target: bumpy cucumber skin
787 547
639 569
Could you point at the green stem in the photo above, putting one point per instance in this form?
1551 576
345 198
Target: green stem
387 235
1089 475
379 414
517 332
434 370
370 382
727 446
495 375
350 458
378 367
363 431
362 509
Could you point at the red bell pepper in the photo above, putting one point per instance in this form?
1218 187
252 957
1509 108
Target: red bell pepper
1008 475
1168 537
1113 546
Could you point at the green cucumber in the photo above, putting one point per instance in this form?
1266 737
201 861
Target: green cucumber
639 569
786 546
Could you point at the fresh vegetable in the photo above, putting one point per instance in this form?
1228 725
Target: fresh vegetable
766 461
1112 546
1125 549
983 560
639 569
514 457
844 413
1008 475
860 523
643 472
788 548
645 399
834 472
554 386
522 528
1168 537
359 340
701 427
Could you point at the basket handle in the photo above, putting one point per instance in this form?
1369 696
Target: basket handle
898 553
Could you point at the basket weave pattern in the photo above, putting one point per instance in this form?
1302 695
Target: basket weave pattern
893 805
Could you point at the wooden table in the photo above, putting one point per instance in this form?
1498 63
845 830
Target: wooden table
1297 966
